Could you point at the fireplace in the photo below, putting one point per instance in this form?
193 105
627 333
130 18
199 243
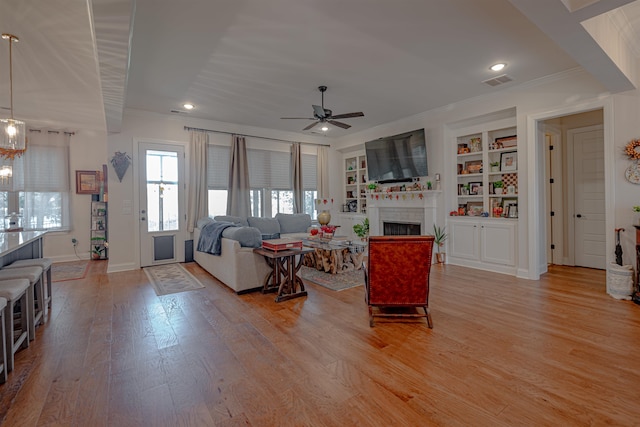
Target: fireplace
401 228
402 208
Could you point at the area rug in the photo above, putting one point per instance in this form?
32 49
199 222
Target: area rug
335 282
171 278
72 270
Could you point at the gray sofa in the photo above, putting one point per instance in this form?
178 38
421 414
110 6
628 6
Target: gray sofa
237 266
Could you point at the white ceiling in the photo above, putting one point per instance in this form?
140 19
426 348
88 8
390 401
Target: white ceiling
80 63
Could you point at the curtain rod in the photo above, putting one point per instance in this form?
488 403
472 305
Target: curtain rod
255 136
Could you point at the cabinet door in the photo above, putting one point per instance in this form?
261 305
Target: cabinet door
498 243
464 240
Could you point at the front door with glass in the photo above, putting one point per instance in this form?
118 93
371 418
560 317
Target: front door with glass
162 218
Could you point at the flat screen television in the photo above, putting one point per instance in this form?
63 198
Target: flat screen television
398 158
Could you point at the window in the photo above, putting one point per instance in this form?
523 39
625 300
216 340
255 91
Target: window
38 188
269 177
217 178
162 190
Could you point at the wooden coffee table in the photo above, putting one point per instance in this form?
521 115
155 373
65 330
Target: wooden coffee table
284 278
334 256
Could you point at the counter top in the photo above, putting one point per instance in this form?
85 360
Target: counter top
12 240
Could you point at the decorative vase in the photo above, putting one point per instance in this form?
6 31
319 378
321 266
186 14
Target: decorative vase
441 257
324 217
495 168
497 190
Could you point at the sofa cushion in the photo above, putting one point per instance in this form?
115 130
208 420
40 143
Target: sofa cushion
203 221
270 236
248 237
294 223
234 219
265 225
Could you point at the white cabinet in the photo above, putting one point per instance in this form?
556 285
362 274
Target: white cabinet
485 243
355 182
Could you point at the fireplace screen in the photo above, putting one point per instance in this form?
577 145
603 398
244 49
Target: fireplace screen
400 229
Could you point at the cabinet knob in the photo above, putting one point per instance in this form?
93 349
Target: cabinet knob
579 216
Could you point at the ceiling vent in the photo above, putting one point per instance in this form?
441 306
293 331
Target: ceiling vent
495 81
178 112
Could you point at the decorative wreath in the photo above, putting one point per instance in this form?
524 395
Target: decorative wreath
633 149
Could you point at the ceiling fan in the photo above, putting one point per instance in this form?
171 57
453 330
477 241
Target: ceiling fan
324 115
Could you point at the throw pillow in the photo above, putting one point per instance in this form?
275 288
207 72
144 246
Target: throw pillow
203 221
265 225
294 223
234 219
248 237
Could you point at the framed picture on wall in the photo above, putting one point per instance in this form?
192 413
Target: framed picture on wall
509 161
87 182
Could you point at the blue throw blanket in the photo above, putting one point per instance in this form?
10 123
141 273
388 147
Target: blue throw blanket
211 237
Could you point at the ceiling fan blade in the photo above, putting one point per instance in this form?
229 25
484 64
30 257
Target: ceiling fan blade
340 124
318 111
311 126
297 118
348 115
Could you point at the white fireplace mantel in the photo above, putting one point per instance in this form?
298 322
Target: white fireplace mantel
402 206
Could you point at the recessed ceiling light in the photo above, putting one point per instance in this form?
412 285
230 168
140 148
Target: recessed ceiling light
189 106
498 66
324 128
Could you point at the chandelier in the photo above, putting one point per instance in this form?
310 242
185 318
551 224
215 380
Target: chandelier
12 131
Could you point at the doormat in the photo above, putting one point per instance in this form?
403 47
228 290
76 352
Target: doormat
72 270
335 282
171 278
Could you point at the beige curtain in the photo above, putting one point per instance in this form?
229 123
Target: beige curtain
296 177
197 196
323 172
239 198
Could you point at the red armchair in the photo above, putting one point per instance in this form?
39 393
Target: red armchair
397 275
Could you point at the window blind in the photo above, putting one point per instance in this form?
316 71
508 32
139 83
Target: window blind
269 169
309 176
218 167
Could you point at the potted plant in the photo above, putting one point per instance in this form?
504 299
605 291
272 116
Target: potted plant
362 229
497 187
495 166
99 246
440 238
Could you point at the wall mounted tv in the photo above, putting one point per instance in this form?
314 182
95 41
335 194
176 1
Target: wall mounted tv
398 158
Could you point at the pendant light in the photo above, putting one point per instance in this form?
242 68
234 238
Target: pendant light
12 131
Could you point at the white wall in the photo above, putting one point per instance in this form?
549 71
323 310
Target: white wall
569 91
141 126
88 152
541 99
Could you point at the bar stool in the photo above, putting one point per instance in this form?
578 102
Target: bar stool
45 263
3 344
35 294
15 291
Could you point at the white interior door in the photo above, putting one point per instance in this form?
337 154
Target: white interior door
589 204
162 217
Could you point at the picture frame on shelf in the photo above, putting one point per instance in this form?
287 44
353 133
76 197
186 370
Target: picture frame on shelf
507 141
509 161
475 188
510 207
460 168
87 182
474 208
473 166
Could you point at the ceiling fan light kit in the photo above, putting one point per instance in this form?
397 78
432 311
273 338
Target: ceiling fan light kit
324 115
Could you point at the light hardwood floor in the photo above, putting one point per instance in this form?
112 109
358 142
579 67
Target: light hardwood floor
503 352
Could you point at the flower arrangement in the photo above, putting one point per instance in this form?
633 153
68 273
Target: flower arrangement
632 149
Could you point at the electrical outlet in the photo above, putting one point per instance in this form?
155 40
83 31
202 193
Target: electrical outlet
74 241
